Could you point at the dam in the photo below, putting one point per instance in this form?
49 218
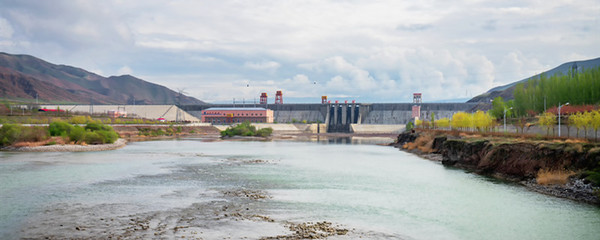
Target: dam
338 117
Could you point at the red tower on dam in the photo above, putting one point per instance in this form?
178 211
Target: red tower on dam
417 98
279 97
416 109
263 98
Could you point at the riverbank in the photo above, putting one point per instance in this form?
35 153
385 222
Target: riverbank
138 133
557 168
70 147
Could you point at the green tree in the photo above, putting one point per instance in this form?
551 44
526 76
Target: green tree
59 128
245 129
578 88
78 120
586 122
461 120
596 123
547 120
442 123
521 123
409 126
419 123
571 122
498 106
578 121
9 134
482 121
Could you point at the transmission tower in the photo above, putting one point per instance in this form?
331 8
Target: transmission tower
179 117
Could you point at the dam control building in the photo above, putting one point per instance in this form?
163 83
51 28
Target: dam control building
229 115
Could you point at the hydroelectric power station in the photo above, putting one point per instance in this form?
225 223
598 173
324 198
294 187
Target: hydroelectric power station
338 117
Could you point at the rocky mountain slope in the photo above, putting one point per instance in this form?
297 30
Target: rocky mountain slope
506 91
28 77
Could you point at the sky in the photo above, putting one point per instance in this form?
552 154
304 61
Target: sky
368 51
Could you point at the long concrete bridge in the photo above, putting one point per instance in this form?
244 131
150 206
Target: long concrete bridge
339 116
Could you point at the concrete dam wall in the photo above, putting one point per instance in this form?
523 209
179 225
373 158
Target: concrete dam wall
401 113
339 117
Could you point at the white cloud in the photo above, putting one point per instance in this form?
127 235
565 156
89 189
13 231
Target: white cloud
372 50
269 66
298 80
6 30
125 70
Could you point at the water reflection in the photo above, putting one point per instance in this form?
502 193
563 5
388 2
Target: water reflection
353 140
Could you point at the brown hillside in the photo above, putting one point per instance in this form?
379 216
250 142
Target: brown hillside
24 76
16 85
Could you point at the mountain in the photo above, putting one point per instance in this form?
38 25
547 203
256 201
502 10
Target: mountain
25 77
506 91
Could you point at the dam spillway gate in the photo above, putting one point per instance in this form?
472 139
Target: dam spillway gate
340 116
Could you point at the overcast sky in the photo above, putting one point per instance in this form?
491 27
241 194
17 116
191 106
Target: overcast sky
368 51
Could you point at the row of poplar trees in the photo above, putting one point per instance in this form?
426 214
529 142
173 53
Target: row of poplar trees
577 88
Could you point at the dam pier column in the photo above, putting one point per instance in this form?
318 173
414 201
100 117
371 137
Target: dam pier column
353 113
327 114
344 108
335 115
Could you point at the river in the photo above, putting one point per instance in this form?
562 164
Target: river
250 189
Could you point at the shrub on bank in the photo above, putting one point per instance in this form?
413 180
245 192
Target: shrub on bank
156 132
98 127
13 133
246 129
92 138
264 132
107 136
92 133
59 128
76 134
9 133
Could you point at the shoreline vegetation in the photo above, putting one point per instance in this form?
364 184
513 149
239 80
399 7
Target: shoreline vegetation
246 129
65 137
57 135
567 169
136 133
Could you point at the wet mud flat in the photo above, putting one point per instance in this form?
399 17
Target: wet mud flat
238 212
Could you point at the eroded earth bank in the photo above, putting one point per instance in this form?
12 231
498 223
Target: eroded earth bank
537 164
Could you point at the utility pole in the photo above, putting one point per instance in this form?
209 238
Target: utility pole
91 105
505 110
559 107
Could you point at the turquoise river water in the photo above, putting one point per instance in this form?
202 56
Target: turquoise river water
368 188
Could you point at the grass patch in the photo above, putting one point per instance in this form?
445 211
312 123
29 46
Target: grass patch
424 143
553 177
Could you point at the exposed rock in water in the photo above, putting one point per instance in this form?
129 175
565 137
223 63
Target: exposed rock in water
310 230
